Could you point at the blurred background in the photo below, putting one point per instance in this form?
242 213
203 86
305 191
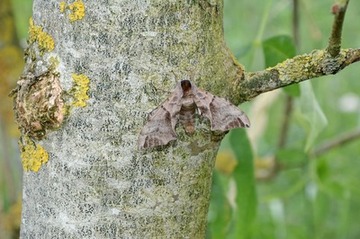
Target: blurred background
294 173
297 173
14 17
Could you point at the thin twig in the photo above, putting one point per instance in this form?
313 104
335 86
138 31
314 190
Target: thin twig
289 99
338 141
339 10
286 121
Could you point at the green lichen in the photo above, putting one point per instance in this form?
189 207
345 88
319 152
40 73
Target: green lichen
36 34
80 90
300 67
54 63
33 156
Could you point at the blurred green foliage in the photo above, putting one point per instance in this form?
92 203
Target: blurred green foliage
22 13
300 193
14 15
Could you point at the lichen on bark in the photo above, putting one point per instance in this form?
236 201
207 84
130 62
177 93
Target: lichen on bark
38 35
33 155
76 9
80 90
98 183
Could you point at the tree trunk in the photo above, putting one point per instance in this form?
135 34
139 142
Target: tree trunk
106 65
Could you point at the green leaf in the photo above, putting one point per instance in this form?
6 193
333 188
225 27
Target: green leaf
243 50
311 115
292 90
277 49
291 157
243 175
220 211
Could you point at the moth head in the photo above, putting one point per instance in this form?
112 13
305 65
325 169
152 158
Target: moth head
186 86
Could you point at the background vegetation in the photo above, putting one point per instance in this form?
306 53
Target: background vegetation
295 172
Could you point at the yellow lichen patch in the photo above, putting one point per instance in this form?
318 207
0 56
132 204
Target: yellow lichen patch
62 7
33 156
77 10
44 40
80 90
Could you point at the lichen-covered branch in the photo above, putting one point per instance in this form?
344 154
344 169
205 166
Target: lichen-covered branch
300 68
303 67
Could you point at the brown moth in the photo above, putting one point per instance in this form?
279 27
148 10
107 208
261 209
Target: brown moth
182 105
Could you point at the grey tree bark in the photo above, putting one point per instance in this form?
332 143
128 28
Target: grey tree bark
96 184
94 70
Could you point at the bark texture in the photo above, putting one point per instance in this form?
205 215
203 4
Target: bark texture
115 62
120 59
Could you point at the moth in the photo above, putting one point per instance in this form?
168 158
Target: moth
182 105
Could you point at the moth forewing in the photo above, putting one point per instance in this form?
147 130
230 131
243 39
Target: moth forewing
159 129
226 116
182 106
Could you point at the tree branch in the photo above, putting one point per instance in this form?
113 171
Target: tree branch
303 67
333 143
300 68
289 99
339 10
